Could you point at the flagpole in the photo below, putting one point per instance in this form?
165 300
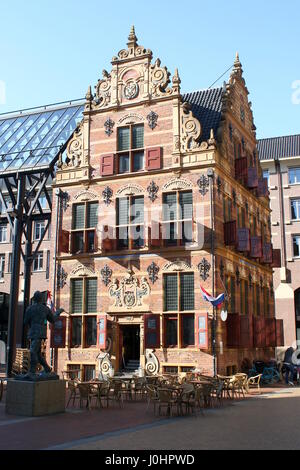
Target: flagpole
210 175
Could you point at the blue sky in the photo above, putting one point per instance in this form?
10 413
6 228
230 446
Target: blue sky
51 50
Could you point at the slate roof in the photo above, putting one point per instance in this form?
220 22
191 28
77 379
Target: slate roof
206 106
279 147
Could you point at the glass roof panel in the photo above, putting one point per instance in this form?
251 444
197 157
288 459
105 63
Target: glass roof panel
33 140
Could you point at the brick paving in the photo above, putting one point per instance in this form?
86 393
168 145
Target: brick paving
130 427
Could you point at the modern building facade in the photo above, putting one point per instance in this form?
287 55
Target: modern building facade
280 160
165 194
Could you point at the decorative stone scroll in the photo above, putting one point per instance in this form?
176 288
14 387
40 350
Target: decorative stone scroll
105 365
130 189
103 90
176 266
82 270
74 157
129 294
190 129
85 196
177 184
152 364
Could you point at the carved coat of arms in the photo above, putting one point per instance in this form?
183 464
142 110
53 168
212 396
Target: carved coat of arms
129 293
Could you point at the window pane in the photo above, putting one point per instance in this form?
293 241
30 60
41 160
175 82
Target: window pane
138 137
171 332
91 295
294 175
91 241
76 331
187 232
296 244
187 291
138 161
123 211
188 327
89 373
123 138
2 266
170 206
78 216
76 293
124 164
296 209
137 235
92 217
3 233
123 237
137 210
171 292
186 205
91 331
78 242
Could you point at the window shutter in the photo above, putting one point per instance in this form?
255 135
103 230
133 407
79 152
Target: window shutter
92 216
270 327
241 169
262 189
230 233
233 331
279 333
243 237
154 158
201 330
256 247
58 333
187 292
252 178
259 333
102 331
76 295
64 241
96 244
91 289
171 292
107 165
186 205
276 259
138 137
246 332
78 216
152 331
267 253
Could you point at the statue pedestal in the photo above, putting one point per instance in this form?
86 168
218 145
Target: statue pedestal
35 398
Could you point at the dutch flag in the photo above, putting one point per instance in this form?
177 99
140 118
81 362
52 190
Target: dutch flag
50 302
216 302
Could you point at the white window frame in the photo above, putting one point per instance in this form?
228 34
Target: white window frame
40 223
39 259
3 226
293 238
289 173
2 266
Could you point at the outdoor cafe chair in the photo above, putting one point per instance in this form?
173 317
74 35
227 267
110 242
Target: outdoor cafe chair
73 391
167 400
116 393
152 397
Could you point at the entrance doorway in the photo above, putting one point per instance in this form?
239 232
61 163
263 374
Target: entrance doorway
131 349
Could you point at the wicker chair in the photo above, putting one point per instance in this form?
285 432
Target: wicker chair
166 400
73 391
152 397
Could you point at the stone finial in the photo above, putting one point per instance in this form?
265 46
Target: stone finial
132 39
176 81
212 140
89 95
237 66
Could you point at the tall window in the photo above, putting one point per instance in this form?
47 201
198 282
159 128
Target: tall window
83 309
296 246
3 233
39 230
295 206
9 267
294 175
178 218
38 263
244 297
230 288
131 154
266 175
179 328
2 266
85 221
130 222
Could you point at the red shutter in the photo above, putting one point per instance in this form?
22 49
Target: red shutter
72 243
155 234
270 332
101 331
152 331
243 237
241 169
58 333
256 247
279 333
201 330
107 165
230 233
246 332
259 332
263 189
276 259
267 253
154 158
252 178
95 240
64 241
233 331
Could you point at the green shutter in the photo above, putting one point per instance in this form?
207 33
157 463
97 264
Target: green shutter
123 211
123 138
138 137
170 206
187 292
171 292
78 216
92 217
91 295
186 205
76 295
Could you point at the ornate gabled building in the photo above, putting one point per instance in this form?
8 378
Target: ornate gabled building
165 195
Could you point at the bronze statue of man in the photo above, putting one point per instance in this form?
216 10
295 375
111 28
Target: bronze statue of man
36 318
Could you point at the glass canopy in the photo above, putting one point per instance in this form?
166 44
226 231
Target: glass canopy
31 142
